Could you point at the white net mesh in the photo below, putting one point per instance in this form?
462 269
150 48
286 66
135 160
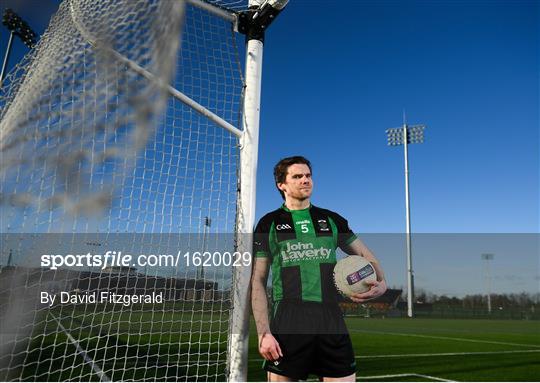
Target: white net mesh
79 113
232 5
95 149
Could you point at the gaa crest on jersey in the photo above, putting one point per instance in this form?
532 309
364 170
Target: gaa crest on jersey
284 226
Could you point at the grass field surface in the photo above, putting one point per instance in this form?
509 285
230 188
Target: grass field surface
438 350
74 344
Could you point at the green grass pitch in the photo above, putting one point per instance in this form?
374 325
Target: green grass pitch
168 345
438 350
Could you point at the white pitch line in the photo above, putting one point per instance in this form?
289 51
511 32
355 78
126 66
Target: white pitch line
99 372
446 354
374 377
383 376
430 354
433 378
445 338
403 376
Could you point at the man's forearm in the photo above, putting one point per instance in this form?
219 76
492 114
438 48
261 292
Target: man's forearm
259 304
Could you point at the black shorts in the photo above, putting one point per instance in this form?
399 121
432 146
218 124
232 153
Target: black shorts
314 340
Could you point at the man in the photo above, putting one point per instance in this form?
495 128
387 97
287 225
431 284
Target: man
307 333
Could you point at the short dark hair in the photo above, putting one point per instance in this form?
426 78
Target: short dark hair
280 170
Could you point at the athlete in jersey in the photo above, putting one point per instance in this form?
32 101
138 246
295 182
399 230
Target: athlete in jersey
302 247
306 333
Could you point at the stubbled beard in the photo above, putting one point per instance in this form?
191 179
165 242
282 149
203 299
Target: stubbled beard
302 197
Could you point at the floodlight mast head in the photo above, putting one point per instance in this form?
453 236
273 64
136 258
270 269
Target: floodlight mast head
254 22
415 135
19 27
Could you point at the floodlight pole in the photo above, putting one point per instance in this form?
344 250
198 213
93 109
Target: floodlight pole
410 275
206 229
404 136
488 257
6 58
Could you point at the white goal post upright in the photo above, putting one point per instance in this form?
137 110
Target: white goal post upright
254 24
249 143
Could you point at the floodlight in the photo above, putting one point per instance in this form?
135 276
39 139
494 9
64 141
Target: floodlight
16 27
414 134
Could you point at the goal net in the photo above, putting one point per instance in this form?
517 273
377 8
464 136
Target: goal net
119 195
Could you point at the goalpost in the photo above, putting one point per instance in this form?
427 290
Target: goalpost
131 130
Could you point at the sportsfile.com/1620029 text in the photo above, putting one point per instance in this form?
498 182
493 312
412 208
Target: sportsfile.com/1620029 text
119 259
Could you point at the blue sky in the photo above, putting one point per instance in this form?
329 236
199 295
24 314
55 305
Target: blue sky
336 75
